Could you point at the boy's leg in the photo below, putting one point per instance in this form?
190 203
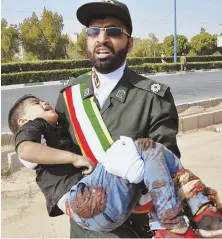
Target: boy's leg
161 187
198 201
175 167
198 204
206 217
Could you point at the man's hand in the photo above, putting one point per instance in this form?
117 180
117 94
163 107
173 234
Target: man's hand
123 159
83 162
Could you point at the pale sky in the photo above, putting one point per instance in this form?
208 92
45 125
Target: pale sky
147 15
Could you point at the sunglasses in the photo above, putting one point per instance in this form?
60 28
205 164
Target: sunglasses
110 31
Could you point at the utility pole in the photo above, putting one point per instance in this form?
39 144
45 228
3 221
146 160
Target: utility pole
175 31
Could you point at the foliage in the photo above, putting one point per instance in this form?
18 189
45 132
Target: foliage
74 64
80 45
43 76
10 42
182 45
43 38
142 49
146 48
204 43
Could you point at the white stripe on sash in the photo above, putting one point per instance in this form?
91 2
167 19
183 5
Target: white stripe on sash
86 125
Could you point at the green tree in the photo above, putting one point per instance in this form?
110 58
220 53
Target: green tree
146 48
10 40
204 44
63 45
32 38
51 25
142 49
43 38
136 42
182 45
220 48
154 41
80 45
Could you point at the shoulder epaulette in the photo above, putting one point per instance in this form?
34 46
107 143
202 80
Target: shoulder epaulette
75 81
150 85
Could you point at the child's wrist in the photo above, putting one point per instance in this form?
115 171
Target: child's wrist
71 157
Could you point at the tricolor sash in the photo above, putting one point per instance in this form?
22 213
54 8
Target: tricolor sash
89 128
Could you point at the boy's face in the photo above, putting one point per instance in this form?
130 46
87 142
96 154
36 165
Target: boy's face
36 108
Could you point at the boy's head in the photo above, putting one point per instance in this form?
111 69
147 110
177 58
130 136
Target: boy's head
28 108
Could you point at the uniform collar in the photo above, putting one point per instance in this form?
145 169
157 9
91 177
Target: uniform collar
119 92
88 91
113 76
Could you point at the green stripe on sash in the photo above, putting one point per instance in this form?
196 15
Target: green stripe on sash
94 121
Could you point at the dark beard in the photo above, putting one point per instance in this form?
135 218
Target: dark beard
111 64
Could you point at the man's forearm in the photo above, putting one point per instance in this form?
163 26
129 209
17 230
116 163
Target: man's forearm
41 154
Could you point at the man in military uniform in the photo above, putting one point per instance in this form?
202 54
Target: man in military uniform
183 61
163 57
128 104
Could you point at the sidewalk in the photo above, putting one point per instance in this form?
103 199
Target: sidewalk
23 207
201 152
179 72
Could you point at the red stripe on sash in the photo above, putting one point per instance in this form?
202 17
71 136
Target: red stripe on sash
77 127
88 153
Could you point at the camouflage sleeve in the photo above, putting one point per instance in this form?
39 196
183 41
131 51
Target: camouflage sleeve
164 122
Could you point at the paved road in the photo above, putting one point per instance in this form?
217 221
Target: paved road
193 86
185 88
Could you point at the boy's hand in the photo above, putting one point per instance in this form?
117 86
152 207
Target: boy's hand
83 162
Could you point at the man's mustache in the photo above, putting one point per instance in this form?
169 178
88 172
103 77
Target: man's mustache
105 45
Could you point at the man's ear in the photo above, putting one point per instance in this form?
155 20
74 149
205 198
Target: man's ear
22 121
131 40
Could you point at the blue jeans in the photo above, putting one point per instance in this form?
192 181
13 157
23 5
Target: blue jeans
123 197
160 164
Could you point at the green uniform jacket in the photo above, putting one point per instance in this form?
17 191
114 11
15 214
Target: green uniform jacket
137 107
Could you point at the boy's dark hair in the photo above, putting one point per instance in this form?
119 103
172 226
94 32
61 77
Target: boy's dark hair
16 111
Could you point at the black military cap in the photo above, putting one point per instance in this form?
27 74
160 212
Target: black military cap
111 8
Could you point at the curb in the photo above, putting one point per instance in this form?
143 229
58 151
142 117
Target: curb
179 72
204 103
201 120
14 163
9 87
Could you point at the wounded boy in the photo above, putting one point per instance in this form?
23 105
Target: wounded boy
102 201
